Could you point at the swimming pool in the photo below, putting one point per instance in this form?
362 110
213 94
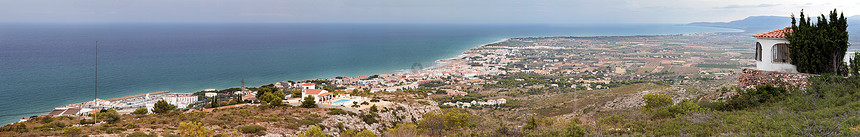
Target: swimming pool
338 102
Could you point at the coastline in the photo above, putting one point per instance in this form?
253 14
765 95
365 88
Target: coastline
441 62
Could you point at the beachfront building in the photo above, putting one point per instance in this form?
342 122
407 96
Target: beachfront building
318 94
181 100
772 52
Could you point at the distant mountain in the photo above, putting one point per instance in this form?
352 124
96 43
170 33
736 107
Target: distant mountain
752 24
760 24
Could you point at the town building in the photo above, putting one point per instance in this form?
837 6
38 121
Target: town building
210 94
180 100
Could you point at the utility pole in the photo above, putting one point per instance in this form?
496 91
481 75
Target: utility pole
96 93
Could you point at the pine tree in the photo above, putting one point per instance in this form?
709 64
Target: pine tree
309 102
162 107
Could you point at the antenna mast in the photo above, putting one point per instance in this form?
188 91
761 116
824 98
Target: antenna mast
96 93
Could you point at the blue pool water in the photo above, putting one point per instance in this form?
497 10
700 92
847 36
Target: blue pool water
338 102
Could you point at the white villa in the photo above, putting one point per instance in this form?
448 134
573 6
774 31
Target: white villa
318 94
772 51
308 86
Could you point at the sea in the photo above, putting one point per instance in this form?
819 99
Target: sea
45 65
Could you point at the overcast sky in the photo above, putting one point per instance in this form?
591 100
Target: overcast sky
410 11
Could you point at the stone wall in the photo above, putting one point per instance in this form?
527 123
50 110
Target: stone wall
753 77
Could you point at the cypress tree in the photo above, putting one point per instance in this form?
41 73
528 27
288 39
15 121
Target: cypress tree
818 48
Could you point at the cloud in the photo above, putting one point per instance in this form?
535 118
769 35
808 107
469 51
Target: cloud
749 6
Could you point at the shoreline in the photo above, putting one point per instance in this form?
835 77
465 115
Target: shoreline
446 61
452 61
439 63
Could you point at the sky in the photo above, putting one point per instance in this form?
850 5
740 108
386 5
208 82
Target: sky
410 11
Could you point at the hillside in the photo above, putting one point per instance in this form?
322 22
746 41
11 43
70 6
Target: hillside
752 24
661 85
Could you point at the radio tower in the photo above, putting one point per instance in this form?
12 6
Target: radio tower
243 84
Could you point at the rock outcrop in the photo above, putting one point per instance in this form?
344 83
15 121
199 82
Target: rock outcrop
753 77
397 113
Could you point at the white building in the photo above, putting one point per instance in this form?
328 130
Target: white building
180 100
772 52
278 85
318 94
501 101
308 86
210 94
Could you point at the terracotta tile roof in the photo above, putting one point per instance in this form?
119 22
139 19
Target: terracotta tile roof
323 94
312 91
780 33
308 84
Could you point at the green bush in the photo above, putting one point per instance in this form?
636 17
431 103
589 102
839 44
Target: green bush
573 130
162 107
444 120
54 125
139 134
661 106
252 129
46 120
369 118
435 83
72 131
684 106
336 111
309 102
655 100
310 121
373 108
195 129
21 128
140 111
313 131
531 124
109 116
755 97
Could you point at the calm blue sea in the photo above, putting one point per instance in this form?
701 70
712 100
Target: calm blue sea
43 66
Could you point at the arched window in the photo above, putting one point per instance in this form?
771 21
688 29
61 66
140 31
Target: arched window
757 51
781 53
